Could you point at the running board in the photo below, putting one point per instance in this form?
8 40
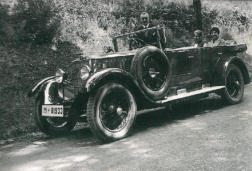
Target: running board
140 112
192 93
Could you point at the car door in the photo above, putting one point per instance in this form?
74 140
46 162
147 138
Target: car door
186 67
209 59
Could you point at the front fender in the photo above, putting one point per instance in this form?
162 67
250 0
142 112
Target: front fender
120 76
35 89
110 73
53 92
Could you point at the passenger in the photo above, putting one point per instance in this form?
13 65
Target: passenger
198 38
198 41
215 39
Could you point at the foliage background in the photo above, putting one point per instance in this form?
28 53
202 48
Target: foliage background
36 36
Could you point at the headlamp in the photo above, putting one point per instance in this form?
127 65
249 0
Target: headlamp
59 75
84 72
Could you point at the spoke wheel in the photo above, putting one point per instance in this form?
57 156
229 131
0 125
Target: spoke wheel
111 112
154 75
234 90
57 122
53 126
152 70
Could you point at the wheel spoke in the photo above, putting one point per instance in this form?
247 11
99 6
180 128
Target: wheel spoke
115 111
56 122
233 84
152 73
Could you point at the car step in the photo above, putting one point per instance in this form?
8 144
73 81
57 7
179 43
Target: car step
192 93
140 112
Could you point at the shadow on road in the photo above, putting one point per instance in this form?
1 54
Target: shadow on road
179 111
82 136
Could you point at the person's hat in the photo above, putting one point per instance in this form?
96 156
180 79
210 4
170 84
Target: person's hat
198 32
144 14
216 29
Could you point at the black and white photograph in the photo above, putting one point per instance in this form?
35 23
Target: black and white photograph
125 85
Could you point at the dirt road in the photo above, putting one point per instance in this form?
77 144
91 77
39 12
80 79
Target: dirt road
204 135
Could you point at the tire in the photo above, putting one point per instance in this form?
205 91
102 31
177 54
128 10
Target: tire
152 69
111 112
234 83
49 125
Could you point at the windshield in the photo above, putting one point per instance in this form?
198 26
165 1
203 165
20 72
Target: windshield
138 39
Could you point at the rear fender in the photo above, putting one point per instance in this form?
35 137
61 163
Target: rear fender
222 66
240 63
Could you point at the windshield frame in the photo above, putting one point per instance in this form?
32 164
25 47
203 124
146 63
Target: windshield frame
157 28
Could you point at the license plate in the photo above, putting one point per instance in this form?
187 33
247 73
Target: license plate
53 110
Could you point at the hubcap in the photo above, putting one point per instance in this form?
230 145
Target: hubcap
233 84
119 111
153 73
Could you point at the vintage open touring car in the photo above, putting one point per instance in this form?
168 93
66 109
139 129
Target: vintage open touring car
107 91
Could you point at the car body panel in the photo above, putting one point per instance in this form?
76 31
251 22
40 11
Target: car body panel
36 87
238 61
183 70
191 69
117 73
108 90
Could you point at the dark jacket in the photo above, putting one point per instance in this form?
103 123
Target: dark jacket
148 37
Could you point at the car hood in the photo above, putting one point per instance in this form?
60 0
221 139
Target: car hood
112 55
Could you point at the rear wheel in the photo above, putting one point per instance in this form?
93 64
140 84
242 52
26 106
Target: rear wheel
53 126
234 90
111 112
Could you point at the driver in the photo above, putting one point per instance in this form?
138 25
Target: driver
149 37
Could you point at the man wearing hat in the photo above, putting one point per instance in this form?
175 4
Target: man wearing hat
149 37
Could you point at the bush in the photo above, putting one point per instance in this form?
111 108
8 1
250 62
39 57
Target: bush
39 20
19 70
30 22
6 31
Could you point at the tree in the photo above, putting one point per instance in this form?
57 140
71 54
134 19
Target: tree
37 21
197 10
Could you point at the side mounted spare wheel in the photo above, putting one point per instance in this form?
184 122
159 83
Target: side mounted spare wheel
152 69
111 112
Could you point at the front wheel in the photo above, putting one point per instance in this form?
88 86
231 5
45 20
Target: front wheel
52 126
234 90
111 112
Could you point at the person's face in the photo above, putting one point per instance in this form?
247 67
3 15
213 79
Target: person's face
197 38
144 20
214 35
